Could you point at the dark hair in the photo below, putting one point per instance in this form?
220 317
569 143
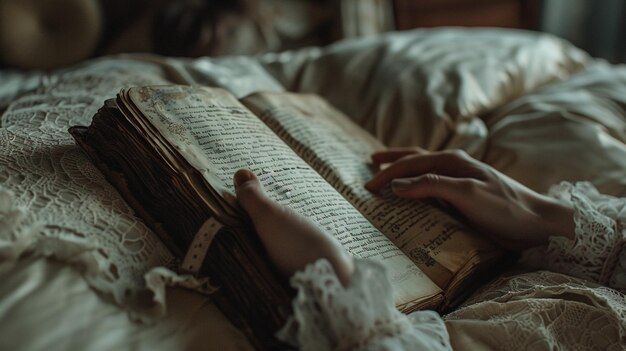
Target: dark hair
188 28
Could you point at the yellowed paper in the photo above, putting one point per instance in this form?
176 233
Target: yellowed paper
439 244
217 135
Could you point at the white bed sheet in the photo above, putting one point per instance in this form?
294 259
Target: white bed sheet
531 105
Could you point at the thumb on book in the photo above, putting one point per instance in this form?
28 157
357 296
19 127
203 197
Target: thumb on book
291 240
250 193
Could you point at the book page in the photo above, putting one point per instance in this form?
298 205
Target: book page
340 151
217 135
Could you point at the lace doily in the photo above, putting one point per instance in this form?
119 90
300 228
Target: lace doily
54 202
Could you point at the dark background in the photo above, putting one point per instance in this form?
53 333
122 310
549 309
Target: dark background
228 27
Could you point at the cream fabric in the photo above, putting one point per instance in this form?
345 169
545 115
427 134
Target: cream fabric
48 305
437 88
362 316
54 203
599 252
572 130
580 308
539 310
426 87
531 105
58 189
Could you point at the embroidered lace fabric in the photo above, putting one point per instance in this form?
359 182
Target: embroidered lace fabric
599 252
54 202
540 310
328 316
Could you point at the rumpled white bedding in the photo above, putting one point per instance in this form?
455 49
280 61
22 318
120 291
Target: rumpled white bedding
531 105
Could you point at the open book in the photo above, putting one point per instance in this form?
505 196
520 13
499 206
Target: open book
172 151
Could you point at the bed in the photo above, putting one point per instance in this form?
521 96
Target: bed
80 271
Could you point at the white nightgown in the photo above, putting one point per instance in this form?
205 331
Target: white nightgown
574 301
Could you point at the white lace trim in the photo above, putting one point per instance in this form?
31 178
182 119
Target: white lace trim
542 309
598 251
55 203
328 316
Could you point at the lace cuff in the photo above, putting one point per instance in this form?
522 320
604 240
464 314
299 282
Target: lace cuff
598 251
361 317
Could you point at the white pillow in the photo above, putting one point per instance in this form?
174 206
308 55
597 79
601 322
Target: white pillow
424 87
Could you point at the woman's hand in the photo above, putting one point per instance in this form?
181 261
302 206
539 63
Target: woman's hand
291 240
511 214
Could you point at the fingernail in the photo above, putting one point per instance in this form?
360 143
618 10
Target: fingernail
242 176
401 184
